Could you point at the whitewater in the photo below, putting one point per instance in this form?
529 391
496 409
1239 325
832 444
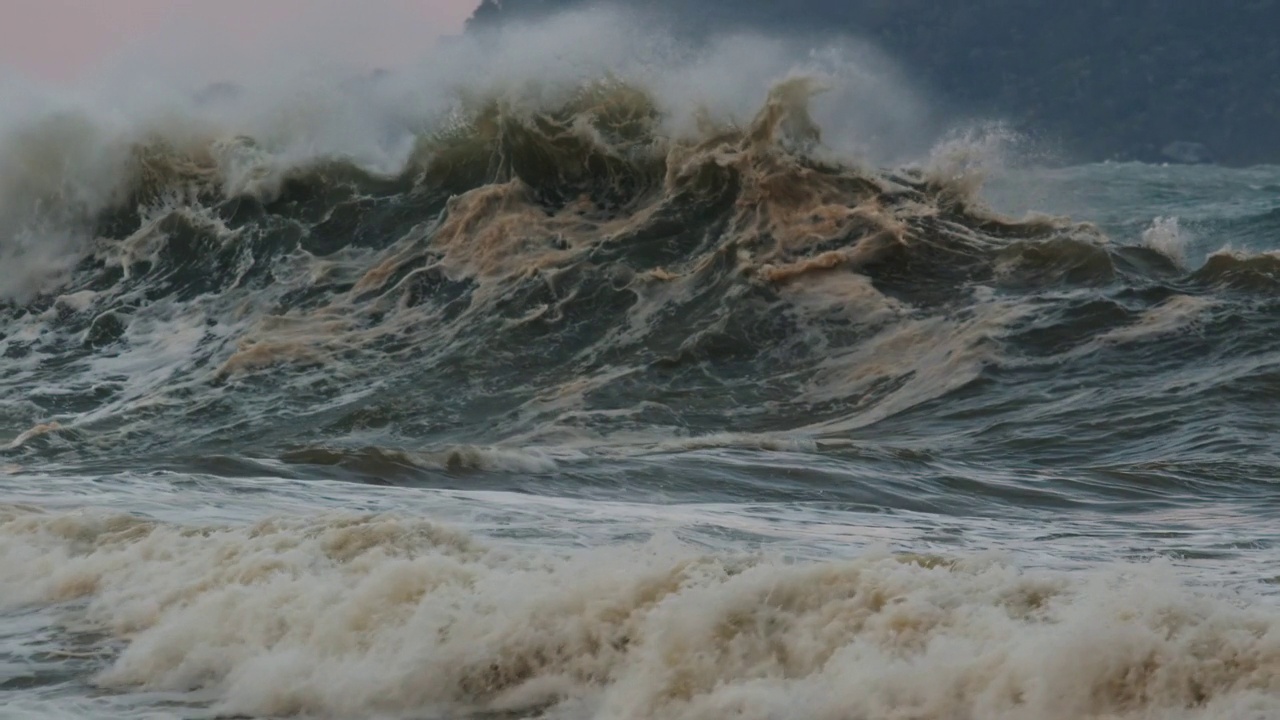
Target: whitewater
617 378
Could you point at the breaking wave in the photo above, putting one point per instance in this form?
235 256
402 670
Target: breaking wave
352 615
572 256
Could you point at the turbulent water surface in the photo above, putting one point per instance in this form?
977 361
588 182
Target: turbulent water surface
573 414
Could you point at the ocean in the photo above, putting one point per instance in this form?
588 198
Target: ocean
553 405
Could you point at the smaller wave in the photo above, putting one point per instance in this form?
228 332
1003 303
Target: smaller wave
1180 313
1251 272
380 462
38 431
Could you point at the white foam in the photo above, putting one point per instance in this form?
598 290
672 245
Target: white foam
344 616
964 160
503 459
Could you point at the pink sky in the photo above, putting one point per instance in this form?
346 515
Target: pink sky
65 40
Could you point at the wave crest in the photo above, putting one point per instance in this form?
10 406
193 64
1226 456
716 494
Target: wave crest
580 253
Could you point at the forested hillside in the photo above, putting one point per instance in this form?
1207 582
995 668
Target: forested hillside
1125 79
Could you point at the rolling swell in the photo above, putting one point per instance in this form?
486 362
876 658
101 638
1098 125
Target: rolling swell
579 277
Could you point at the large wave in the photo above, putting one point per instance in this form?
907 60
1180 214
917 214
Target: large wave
561 258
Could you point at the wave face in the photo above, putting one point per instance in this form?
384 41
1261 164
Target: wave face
571 397
574 278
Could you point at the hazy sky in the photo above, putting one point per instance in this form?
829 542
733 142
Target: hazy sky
66 40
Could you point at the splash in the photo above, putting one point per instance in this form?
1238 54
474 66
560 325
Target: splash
1166 237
